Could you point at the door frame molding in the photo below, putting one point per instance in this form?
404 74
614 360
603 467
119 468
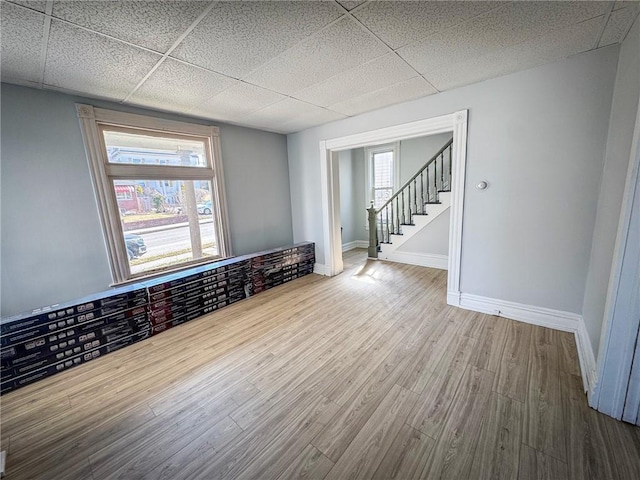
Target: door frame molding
619 328
454 122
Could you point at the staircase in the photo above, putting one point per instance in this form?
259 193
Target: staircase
421 200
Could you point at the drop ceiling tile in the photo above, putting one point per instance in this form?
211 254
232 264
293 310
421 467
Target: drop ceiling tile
341 46
374 75
237 37
282 112
154 25
624 4
22 32
531 53
38 5
350 4
618 25
399 23
236 102
87 62
415 87
308 121
508 25
178 86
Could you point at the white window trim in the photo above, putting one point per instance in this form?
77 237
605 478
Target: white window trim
91 119
368 169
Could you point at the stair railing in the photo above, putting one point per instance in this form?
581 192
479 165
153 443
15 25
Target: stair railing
432 178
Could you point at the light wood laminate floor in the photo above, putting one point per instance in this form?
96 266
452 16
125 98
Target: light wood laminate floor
365 375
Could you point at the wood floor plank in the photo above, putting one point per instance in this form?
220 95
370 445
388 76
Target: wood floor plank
543 423
40 453
497 454
407 456
624 440
490 343
435 342
453 453
364 454
137 453
275 433
589 451
511 377
625 444
567 353
13 423
334 439
433 406
200 449
311 464
535 465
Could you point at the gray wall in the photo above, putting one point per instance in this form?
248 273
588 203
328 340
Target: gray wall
432 239
52 244
347 196
415 152
538 137
621 125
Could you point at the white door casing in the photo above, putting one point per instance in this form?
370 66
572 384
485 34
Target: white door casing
455 123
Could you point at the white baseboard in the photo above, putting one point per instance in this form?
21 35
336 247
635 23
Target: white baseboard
320 269
453 298
422 259
586 358
543 317
355 244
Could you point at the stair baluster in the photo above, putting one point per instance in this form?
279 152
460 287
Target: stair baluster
421 193
382 221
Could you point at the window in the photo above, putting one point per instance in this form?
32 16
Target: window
382 173
160 191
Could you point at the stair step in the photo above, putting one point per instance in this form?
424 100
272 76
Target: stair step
407 224
433 203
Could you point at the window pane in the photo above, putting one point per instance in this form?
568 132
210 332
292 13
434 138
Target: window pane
141 149
166 223
381 195
383 169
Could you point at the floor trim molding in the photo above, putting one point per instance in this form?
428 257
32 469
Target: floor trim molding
355 244
540 316
586 357
321 269
430 260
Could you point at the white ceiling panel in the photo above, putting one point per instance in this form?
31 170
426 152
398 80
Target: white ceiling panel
618 25
154 25
307 121
399 23
22 32
335 49
400 92
350 4
237 101
178 86
497 29
38 5
281 112
623 4
374 75
287 65
87 62
549 48
237 37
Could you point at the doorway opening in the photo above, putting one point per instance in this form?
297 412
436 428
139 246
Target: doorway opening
456 124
